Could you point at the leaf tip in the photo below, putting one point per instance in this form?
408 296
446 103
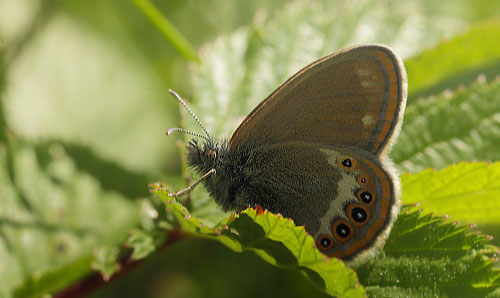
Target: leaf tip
154 186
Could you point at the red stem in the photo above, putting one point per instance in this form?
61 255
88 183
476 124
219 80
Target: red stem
95 281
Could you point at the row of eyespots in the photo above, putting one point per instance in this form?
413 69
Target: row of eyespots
357 213
341 229
363 194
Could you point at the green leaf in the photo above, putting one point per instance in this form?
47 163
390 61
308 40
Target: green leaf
436 69
111 175
451 127
54 279
3 125
274 238
51 218
105 261
145 242
427 256
467 191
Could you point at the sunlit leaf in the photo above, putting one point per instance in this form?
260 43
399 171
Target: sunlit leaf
466 191
436 69
426 255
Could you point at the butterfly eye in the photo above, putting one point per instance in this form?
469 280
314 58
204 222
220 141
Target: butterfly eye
357 214
365 196
346 162
325 242
342 230
212 154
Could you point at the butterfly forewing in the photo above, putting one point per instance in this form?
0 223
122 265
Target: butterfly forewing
351 97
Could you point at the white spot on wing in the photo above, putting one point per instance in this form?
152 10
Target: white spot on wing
368 120
346 187
367 83
362 72
345 195
332 156
366 78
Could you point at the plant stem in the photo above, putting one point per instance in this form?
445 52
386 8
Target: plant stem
167 29
95 281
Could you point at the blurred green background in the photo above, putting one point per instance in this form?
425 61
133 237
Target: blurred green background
85 109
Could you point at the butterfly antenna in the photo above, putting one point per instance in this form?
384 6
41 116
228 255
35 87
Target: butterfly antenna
192 114
174 129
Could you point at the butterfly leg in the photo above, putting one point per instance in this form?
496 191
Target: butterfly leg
192 186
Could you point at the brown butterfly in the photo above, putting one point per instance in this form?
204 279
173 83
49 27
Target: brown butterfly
315 150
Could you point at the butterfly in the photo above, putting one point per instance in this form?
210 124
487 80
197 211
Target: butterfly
316 151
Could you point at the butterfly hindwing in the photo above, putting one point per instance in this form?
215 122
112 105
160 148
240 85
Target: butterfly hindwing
342 195
365 205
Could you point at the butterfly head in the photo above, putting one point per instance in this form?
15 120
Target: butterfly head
204 156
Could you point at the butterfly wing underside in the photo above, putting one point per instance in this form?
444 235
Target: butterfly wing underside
350 97
350 104
363 207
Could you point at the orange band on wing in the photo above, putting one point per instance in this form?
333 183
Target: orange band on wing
385 201
392 103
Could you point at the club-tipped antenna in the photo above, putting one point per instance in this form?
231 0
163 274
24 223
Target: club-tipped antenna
192 114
